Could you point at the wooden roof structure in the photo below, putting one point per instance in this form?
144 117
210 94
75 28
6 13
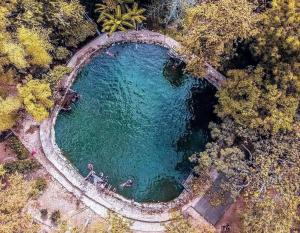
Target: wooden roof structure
209 212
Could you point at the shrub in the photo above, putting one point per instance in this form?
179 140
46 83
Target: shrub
61 53
21 166
18 148
2 171
40 184
44 213
55 216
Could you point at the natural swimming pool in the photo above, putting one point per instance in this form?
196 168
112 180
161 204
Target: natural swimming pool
136 120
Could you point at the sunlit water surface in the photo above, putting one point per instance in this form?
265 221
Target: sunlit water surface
133 121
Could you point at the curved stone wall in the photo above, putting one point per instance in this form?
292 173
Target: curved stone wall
145 216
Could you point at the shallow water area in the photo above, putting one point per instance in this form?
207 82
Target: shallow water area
133 121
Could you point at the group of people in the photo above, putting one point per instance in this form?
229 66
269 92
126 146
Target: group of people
101 181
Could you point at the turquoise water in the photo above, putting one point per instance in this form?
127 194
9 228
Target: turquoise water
133 122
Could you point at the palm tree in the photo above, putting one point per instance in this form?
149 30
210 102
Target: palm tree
136 14
116 21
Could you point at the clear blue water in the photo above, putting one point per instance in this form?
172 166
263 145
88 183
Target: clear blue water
133 122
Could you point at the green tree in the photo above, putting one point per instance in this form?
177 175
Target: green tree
12 200
268 95
68 23
34 35
36 46
116 21
263 167
254 102
118 224
117 15
211 29
136 14
35 96
8 112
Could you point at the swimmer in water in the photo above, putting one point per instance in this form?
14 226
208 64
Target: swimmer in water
90 166
127 184
110 54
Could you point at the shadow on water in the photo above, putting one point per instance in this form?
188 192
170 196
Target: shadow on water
201 107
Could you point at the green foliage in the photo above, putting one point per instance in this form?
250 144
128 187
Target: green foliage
40 184
117 16
252 101
36 46
8 112
18 148
61 53
211 30
166 12
55 75
118 224
179 225
2 171
33 35
15 54
280 37
68 22
13 199
36 95
268 95
265 166
21 166
64 227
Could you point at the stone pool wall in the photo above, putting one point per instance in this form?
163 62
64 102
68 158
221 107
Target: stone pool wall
145 216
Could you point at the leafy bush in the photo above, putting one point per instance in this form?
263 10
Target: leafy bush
18 148
21 166
118 224
40 184
55 216
2 171
61 53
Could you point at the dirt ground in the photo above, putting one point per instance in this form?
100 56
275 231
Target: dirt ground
55 197
231 218
6 154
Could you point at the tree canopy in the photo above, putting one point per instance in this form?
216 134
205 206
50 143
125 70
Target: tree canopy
256 146
210 31
119 16
12 200
35 36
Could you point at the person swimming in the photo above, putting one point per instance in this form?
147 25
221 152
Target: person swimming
90 166
110 54
126 184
